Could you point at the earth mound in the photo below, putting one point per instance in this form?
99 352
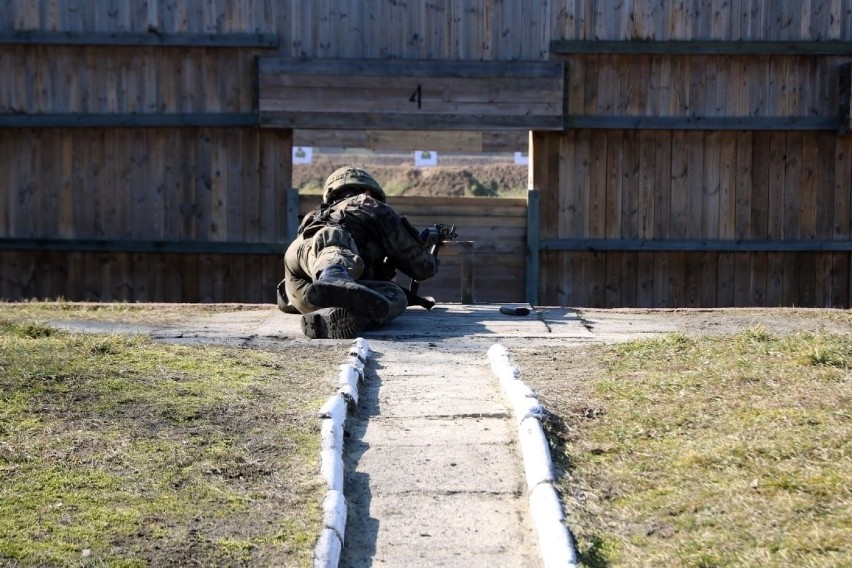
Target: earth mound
452 177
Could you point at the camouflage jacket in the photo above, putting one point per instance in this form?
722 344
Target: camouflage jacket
386 240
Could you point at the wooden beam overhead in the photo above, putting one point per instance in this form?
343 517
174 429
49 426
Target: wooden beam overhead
43 37
411 95
698 47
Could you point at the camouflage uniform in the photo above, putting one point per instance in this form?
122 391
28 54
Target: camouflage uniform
369 239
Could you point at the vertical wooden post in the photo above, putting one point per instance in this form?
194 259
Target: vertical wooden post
533 214
292 214
466 272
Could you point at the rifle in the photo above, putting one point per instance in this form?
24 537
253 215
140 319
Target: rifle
435 236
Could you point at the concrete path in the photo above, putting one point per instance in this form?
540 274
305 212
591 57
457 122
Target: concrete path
434 475
434 471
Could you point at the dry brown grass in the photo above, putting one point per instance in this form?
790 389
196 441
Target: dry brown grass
116 450
704 451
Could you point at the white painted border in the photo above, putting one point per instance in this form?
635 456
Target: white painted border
333 414
555 543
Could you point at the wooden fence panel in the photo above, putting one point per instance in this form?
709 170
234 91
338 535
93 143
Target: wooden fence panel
693 187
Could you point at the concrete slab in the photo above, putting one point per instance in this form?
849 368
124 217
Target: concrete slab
464 529
429 431
479 466
432 404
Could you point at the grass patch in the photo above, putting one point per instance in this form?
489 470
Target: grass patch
711 451
121 451
116 312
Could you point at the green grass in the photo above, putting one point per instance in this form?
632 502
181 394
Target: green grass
116 450
711 451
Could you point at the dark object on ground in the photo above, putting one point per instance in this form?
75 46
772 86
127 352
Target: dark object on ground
514 311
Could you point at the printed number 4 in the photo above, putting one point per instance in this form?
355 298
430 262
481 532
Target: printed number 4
416 96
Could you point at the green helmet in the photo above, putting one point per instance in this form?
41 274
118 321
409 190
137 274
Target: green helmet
350 177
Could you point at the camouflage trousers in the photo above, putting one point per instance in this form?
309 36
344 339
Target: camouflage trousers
307 257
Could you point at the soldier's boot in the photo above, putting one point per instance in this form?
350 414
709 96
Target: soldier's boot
335 288
333 323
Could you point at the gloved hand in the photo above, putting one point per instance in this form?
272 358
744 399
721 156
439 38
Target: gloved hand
430 236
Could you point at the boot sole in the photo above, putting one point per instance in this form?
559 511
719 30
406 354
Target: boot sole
359 300
332 324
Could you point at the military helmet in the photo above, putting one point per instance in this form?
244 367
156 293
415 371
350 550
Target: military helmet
350 177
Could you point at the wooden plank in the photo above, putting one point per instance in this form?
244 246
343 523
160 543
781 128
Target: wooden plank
795 223
678 223
532 280
840 281
597 189
709 284
178 149
662 213
841 173
24 186
693 245
574 210
775 280
494 224
780 123
700 47
760 216
630 185
126 38
398 95
842 170
694 183
253 227
693 274
727 216
629 282
775 186
121 120
727 180
139 168
612 280
45 195
615 151
233 186
711 188
845 97
742 223
219 186
468 119
203 202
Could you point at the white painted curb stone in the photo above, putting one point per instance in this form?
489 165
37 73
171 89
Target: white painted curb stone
555 543
333 415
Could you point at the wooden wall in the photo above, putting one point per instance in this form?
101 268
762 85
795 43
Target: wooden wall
711 178
691 192
111 111
216 207
136 189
